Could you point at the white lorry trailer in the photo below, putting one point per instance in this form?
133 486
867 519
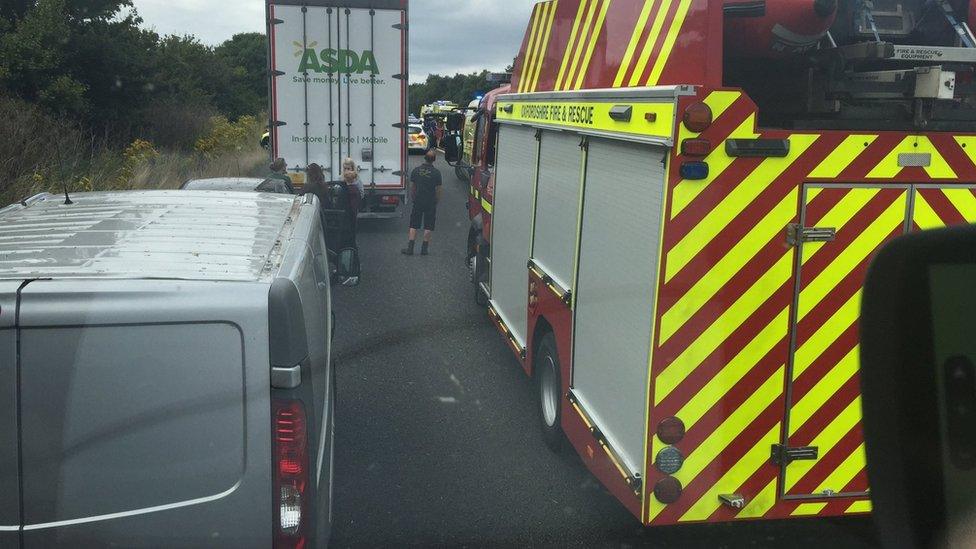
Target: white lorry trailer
338 89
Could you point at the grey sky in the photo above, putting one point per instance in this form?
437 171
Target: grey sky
445 36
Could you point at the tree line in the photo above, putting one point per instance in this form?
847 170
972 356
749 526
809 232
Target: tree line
92 62
460 89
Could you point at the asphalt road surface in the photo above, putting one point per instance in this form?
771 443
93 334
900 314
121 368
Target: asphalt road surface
437 440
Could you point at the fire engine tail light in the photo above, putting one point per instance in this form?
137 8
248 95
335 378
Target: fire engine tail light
668 490
696 147
698 117
694 171
671 430
290 447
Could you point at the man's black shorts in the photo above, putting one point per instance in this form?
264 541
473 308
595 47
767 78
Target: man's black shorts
423 217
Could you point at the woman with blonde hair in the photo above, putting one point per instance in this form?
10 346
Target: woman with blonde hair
357 191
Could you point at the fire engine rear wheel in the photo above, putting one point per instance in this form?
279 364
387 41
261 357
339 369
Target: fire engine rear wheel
480 275
549 388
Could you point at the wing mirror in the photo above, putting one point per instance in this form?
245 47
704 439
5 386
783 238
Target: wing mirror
347 271
918 386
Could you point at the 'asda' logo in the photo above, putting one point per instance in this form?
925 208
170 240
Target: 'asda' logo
337 61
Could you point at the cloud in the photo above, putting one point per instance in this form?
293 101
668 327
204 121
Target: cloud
446 36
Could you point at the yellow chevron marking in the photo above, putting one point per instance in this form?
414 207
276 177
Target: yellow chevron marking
841 157
736 422
634 40
659 17
733 372
532 51
964 202
665 53
838 216
580 44
732 205
570 45
594 38
756 457
889 168
968 144
762 503
744 251
685 191
863 245
845 472
824 390
527 63
826 334
863 506
530 48
807 509
547 34
828 438
924 216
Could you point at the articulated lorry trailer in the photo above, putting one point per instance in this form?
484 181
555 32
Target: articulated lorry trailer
674 223
338 89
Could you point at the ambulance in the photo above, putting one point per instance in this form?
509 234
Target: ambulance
675 224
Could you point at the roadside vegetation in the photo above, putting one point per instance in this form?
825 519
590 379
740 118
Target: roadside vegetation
90 100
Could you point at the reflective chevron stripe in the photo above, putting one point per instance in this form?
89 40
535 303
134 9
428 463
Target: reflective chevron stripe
721 356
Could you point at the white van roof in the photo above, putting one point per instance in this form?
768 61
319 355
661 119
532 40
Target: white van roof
185 235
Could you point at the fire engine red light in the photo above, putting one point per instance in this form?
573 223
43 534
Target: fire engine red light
667 490
698 117
696 147
671 430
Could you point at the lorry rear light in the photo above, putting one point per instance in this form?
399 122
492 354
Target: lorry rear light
694 171
696 147
290 447
698 117
390 200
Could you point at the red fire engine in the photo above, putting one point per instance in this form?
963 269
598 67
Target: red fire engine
676 222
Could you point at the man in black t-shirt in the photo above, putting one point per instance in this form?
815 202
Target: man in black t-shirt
425 189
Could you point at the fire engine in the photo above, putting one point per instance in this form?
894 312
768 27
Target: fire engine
674 224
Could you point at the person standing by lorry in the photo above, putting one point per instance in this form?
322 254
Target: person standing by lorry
279 171
426 192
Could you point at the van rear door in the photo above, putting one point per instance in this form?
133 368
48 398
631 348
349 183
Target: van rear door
137 414
9 474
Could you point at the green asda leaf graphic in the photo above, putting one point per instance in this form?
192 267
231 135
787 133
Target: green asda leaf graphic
338 61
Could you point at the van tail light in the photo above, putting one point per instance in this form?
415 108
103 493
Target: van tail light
290 474
390 200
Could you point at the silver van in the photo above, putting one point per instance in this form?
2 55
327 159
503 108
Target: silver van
165 376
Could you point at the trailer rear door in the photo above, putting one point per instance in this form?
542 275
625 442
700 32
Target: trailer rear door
339 88
9 469
618 265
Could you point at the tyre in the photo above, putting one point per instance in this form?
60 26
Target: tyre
479 276
549 390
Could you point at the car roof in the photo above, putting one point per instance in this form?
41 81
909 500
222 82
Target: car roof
224 184
186 235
